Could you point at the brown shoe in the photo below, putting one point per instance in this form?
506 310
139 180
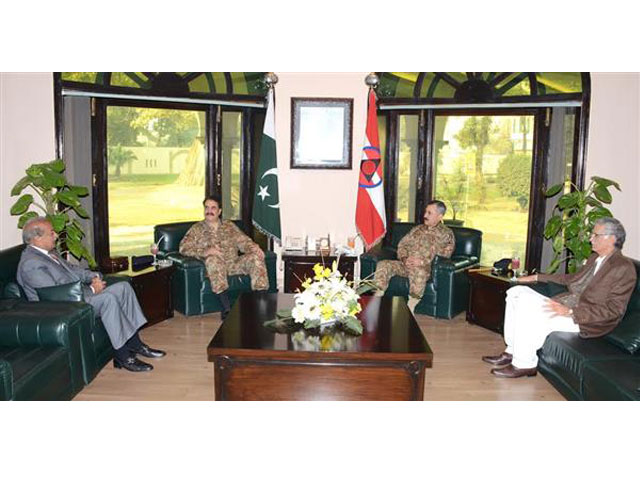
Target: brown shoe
512 372
500 360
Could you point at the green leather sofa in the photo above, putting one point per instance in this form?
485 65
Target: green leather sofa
605 368
48 350
192 293
447 292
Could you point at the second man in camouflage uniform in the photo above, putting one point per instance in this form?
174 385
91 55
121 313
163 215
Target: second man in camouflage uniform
218 242
417 250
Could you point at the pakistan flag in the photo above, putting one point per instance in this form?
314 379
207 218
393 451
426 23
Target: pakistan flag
266 202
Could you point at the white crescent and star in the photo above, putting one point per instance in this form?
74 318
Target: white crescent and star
263 193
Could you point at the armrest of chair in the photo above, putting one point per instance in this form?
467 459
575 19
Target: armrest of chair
369 260
184 261
53 324
111 279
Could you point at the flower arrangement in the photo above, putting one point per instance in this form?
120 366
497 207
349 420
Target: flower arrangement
326 299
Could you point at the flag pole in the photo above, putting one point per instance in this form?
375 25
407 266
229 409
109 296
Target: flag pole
271 79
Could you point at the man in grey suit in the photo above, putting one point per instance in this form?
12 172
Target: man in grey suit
41 266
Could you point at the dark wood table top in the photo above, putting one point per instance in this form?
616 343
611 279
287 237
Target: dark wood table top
390 331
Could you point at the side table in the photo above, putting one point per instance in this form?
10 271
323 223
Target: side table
487 299
299 264
153 289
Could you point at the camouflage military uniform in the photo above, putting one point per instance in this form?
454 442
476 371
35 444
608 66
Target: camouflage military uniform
423 242
228 239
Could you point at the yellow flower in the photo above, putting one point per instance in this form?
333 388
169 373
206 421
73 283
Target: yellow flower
317 269
306 284
326 311
320 272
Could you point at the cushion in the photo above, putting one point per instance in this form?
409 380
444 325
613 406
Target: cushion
12 290
68 292
612 380
627 334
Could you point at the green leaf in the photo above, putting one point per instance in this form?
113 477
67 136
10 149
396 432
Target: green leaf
558 244
572 265
598 212
79 190
57 165
585 250
34 171
81 211
605 182
76 248
22 204
572 227
593 202
553 226
365 287
573 244
74 232
284 313
18 187
68 198
58 221
53 179
25 218
553 190
602 194
352 325
569 200
311 323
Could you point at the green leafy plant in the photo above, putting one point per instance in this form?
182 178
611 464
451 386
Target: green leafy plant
571 224
58 201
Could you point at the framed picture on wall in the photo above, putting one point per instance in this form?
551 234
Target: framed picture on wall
321 132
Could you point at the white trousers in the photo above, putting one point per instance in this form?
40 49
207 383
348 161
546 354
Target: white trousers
527 324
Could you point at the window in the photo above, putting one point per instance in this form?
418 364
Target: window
536 134
231 165
482 172
406 172
155 172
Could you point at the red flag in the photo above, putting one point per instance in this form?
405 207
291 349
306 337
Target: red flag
371 220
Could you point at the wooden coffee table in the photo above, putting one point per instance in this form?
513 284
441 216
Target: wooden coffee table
253 362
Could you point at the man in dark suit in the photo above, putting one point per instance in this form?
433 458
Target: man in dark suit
594 304
41 266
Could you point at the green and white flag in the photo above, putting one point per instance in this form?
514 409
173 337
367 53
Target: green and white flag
266 202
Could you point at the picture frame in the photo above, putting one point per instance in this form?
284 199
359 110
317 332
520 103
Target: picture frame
321 132
294 243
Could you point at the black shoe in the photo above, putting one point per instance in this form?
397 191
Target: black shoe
133 365
146 351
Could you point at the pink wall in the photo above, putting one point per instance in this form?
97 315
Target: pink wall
26 137
614 146
317 202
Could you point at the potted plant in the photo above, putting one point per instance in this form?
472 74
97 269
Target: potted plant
571 224
58 201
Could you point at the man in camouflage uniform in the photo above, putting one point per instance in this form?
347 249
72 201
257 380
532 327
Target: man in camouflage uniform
416 251
217 242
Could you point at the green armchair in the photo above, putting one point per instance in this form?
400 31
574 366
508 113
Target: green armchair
192 293
447 292
48 350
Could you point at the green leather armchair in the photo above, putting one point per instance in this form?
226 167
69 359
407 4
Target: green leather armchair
447 292
48 350
192 293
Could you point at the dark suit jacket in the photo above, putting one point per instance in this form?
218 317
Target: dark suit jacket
603 303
